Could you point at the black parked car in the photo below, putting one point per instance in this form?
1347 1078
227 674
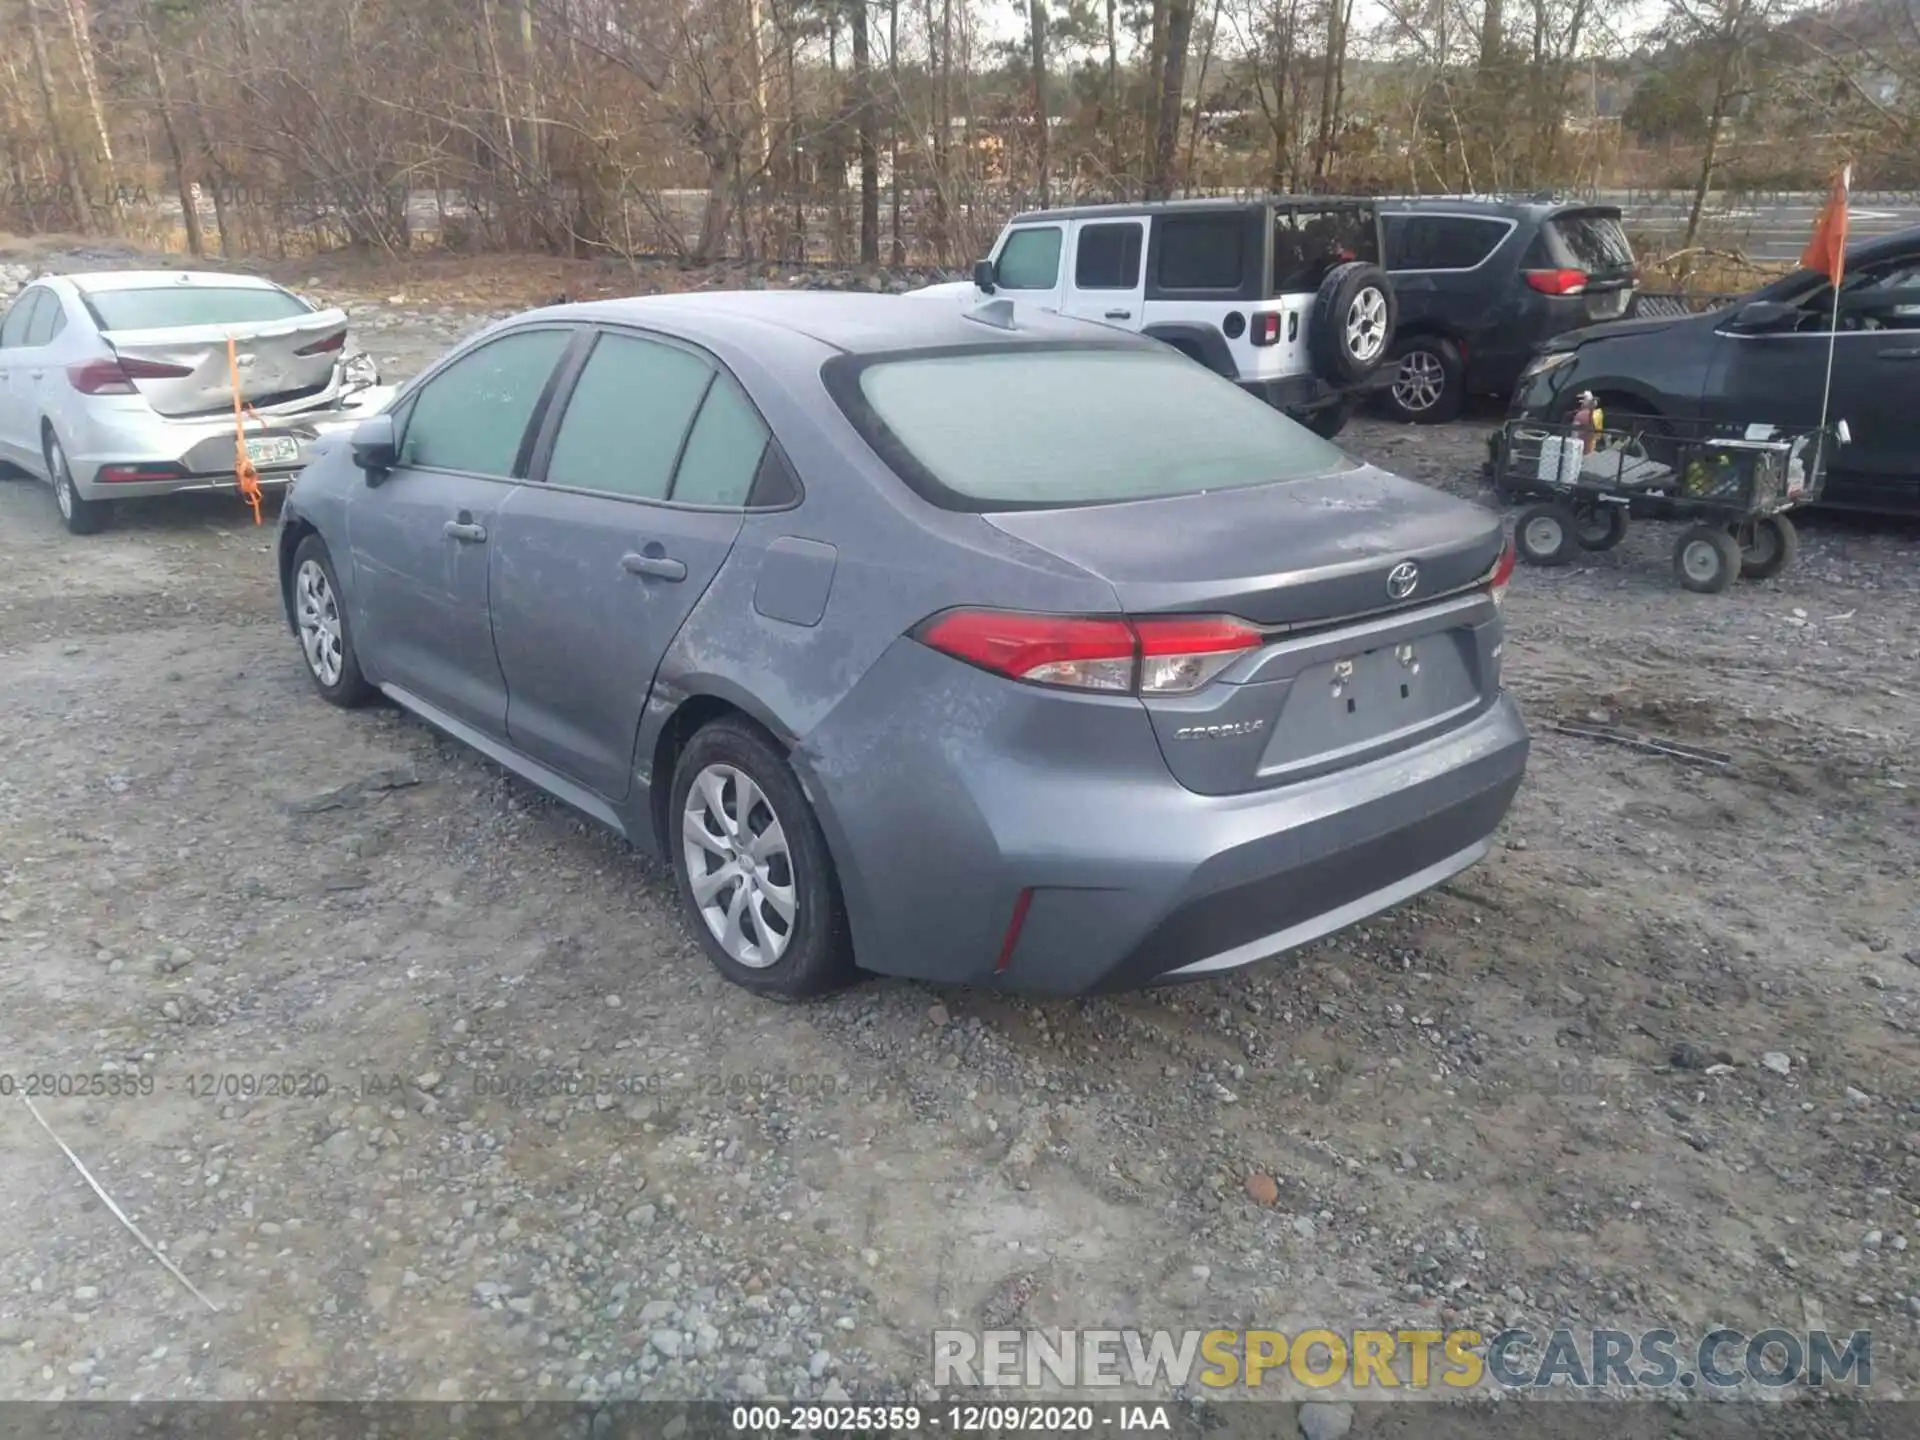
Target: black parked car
1481 282
1763 361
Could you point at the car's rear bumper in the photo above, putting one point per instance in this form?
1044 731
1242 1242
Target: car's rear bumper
1304 394
123 450
962 802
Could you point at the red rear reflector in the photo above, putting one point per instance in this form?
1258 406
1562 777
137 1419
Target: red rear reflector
116 377
1264 328
1501 573
1013 930
325 344
1162 655
1557 282
134 474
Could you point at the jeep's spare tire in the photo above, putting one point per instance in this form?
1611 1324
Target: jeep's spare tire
1351 329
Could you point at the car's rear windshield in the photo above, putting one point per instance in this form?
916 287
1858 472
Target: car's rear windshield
1595 241
162 308
1030 428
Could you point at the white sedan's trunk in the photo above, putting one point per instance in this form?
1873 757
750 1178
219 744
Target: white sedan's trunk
184 370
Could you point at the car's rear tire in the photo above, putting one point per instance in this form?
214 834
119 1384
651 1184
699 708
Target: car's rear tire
320 622
1768 545
1351 327
1706 559
1429 381
1546 534
753 868
80 515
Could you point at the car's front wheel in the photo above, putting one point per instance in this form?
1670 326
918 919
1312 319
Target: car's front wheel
320 620
80 515
1429 381
753 867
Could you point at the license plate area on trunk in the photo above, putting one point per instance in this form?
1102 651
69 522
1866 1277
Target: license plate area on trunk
1340 709
273 450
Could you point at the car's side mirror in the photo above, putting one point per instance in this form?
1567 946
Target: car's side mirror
1759 317
375 449
984 278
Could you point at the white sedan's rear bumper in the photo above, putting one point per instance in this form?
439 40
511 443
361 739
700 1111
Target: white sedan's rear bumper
119 448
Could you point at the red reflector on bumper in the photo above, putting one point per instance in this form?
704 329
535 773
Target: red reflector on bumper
1013 930
134 474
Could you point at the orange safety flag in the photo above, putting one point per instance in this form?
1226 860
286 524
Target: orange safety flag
243 471
1827 250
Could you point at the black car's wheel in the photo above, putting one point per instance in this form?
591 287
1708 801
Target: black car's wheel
1706 559
1767 546
753 867
1601 526
320 621
1547 533
1352 323
1329 420
1429 381
80 515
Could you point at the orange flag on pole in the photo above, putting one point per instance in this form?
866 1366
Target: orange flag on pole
1827 250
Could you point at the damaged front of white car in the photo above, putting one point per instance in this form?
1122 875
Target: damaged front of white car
121 385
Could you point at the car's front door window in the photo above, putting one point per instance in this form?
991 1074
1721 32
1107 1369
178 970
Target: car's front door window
472 416
1030 259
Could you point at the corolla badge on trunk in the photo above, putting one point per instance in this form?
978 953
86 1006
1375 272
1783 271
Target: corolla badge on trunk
1402 578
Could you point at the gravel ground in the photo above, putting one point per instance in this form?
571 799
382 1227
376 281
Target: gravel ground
1652 1063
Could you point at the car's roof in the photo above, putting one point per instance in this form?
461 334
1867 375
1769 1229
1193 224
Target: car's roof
95 282
1201 205
1506 207
1884 247
854 323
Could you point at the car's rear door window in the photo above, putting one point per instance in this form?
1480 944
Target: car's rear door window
1594 241
1027 427
1107 257
1029 259
627 419
13 330
1442 242
1201 252
181 305
472 416
48 321
723 450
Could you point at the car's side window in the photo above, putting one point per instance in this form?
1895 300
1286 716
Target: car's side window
1202 252
48 321
724 449
1888 298
13 330
473 415
1107 257
1030 259
1441 242
628 417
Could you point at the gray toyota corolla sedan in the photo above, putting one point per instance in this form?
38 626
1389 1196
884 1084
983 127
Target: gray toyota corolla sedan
1027 656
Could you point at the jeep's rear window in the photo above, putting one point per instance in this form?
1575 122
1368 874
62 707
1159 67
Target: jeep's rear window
1594 241
1029 428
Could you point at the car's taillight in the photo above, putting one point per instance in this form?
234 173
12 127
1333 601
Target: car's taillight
1501 573
325 345
1264 328
1557 282
116 377
1170 655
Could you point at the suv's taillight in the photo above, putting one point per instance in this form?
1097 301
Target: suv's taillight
1163 655
1557 282
1264 328
1502 572
116 377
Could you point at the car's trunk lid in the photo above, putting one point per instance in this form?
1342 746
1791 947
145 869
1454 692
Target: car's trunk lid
184 370
1356 664
1592 239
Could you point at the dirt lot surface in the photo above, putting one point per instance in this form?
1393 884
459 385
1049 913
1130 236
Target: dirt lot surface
1653 1063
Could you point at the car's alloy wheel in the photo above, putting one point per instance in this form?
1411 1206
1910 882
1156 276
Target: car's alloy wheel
317 614
80 516
739 866
1367 326
1420 381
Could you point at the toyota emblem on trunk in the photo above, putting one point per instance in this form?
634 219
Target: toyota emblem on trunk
1402 578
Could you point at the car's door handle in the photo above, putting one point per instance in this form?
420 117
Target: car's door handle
1900 354
466 532
654 567
1119 314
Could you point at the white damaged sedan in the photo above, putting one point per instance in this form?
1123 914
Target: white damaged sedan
120 384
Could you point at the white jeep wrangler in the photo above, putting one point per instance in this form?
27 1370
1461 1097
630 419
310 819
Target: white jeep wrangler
1284 296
